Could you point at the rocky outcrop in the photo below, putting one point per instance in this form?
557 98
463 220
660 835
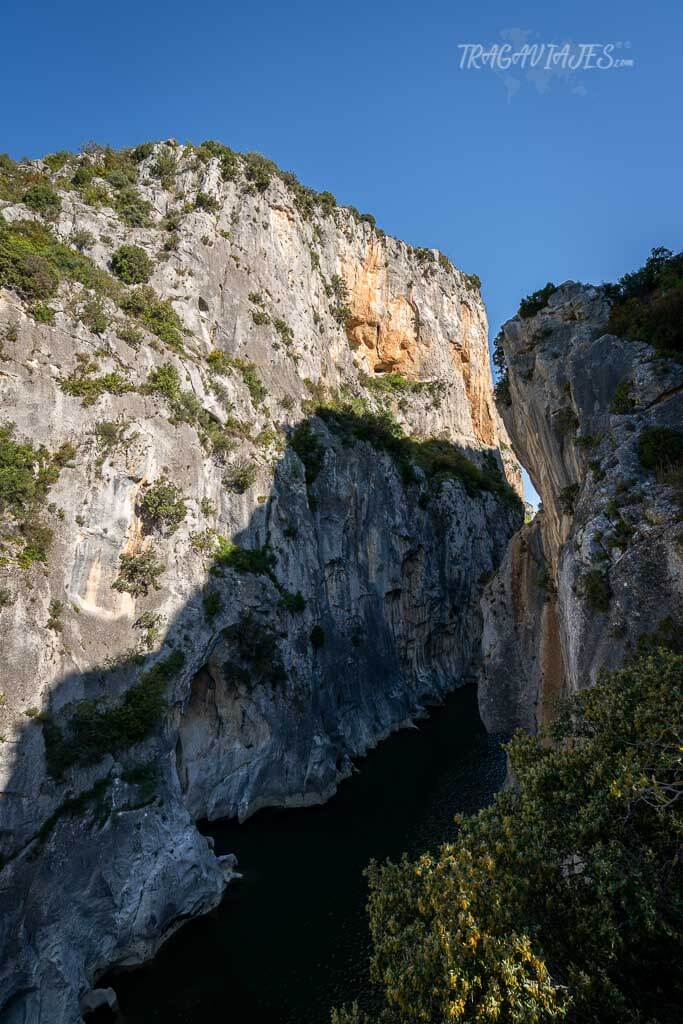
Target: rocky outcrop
228 572
601 566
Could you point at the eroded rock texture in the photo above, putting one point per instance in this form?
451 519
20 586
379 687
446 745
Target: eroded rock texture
292 597
601 565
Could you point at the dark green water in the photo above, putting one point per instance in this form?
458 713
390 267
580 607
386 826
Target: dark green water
290 940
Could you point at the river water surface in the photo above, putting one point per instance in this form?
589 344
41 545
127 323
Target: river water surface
290 940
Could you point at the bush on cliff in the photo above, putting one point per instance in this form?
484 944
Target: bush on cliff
648 304
561 901
534 303
131 264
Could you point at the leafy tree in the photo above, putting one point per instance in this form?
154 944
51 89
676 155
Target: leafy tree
561 901
162 506
132 265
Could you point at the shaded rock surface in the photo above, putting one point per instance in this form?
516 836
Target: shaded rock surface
602 565
275 693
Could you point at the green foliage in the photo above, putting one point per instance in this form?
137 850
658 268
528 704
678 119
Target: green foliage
164 380
257 648
534 303
309 449
83 383
566 499
594 587
162 506
55 610
26 475
132 208
229 555
502 385
623 401
295 603
252 380
240 476
94 315
92 731
648 304
561 901
164 167
42 313
157 315
43 199
317 637
258 170
340 309
228 159
472 281
55 161
82 239
660 448
204 201
211 603
138 572
131 264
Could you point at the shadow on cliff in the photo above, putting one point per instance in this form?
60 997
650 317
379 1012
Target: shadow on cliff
128 709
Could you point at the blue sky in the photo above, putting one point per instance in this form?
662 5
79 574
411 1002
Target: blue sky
570 177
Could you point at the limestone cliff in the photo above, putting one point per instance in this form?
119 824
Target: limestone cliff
602 564
252 483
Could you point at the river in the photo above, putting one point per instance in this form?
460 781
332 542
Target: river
290 940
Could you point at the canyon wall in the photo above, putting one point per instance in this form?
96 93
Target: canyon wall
248 516
601 566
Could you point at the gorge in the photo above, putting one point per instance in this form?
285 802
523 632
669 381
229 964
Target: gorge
262 510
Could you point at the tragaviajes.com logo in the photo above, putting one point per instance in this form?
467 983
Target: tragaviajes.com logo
517 58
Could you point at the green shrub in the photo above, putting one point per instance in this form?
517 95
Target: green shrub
623 401
660 448
560 900
534 303
229 555
211 603
138 573
90 732
82 239
472 281
295 603
162 506
142 152
648 304
157 315
55 161
164 168
43 199
26 475
94 315
42 313
566 499
502 386
309 449
317 637
259 317
594 587
257 647
203 201
258 170
131 264
164 380
82 383
240 476
132 208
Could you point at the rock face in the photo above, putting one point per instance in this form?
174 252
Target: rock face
252 578
601 565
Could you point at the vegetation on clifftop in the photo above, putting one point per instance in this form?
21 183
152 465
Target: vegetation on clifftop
648 303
